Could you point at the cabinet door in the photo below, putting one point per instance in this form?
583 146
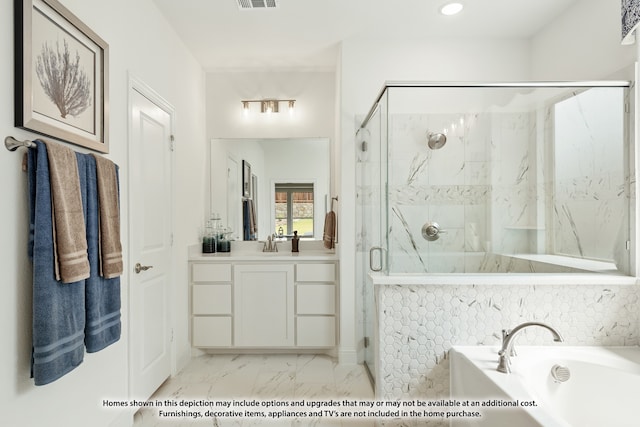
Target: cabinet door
263 303
211 299
211 272
317 298
316 331
316 272
211 331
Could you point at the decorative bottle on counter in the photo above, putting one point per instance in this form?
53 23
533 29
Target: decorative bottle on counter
209 239
294 242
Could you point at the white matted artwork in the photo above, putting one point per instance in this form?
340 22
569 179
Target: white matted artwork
61 75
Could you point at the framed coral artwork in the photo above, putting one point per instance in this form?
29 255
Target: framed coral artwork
62 74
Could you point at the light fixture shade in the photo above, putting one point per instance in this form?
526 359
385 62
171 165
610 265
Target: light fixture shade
268 105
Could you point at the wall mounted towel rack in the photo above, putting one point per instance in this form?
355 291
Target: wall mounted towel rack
329 207
13 144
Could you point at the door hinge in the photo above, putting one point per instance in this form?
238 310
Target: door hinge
171 240
171 335
172 140
366 342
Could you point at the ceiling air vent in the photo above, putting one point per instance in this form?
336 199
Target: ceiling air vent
257 4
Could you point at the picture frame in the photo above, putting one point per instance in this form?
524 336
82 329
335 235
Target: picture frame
51 41
246 179
630 18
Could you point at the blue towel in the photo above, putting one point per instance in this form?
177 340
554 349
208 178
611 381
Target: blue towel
102 297
58 308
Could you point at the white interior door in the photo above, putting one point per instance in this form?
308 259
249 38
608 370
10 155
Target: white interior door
150 205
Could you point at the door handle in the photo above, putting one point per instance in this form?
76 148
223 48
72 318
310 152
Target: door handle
371 252
139 267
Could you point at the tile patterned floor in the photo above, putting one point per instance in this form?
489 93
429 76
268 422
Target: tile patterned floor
281 378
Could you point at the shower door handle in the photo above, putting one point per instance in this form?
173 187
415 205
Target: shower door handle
371 252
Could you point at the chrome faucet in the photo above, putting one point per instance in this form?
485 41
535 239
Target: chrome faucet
508 337
270 245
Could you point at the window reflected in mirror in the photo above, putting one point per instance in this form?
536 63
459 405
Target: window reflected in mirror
294 209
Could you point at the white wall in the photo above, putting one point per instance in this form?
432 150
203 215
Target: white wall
144 45
314 107
581 44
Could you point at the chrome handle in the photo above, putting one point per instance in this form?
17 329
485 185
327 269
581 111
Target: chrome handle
139 267
431 231
371 251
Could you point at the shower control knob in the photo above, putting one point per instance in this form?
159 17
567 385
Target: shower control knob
431 231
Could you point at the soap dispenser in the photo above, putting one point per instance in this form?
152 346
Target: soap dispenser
294 242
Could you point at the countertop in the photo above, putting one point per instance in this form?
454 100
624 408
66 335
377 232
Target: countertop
252 251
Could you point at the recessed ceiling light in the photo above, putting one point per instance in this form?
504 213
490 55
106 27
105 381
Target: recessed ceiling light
451 8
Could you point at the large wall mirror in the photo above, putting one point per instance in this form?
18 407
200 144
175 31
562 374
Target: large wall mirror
271 186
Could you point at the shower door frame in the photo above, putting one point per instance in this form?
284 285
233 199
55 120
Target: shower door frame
373 149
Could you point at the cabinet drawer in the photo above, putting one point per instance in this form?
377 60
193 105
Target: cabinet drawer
211 331
316 272
315 299
211 272
316 331
211 299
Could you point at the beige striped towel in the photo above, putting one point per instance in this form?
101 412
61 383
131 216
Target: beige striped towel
69 231
109 217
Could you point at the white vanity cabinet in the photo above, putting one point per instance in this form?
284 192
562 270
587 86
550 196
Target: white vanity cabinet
211 305
279 302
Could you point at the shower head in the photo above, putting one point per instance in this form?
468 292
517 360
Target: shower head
436 141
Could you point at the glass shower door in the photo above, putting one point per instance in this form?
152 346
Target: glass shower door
371 179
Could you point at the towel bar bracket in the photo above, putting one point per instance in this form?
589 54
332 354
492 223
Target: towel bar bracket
13 144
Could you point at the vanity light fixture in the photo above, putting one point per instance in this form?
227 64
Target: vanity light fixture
451 8
267 105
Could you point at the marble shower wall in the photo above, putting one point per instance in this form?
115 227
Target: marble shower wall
480 187
529 181
591 187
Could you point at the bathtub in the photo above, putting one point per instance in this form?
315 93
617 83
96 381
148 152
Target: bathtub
603 388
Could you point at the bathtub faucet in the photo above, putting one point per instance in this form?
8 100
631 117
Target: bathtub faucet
508 337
